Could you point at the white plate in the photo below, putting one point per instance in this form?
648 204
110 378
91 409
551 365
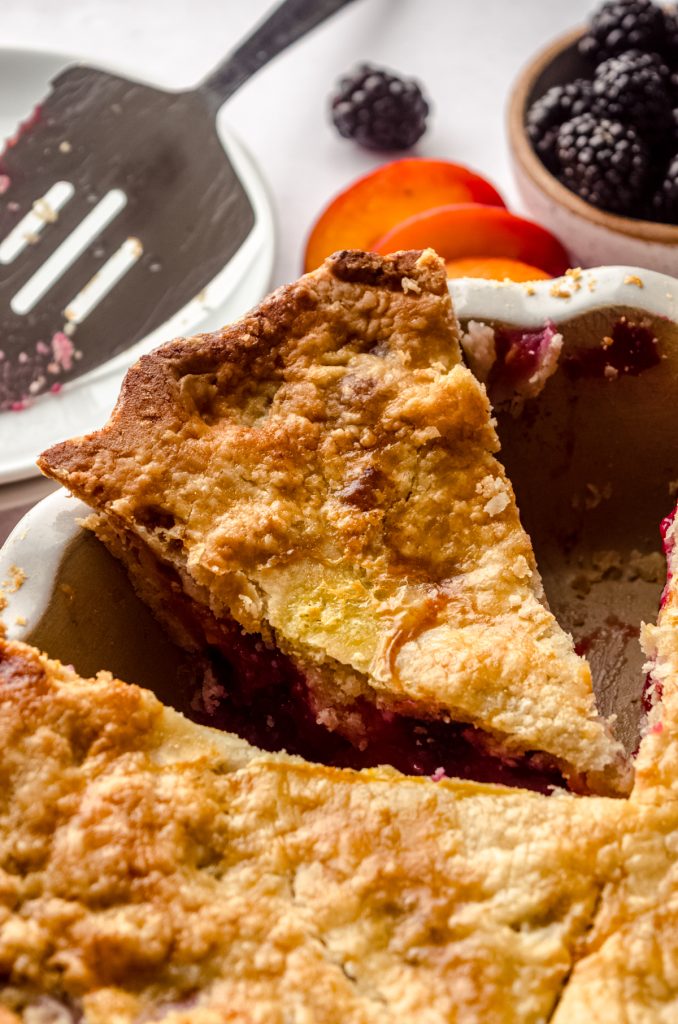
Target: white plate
85 403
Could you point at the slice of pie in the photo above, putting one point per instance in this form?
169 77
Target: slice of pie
154 870
312 495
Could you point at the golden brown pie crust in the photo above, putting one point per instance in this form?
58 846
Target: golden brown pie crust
629 970
155 870
324 473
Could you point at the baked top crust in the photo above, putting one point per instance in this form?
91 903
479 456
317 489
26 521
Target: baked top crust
323 472
629 967
152 869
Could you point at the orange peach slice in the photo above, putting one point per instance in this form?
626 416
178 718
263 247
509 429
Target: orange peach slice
369 207
494 268
474 230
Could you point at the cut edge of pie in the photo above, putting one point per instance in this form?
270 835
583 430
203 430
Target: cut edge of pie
321 477
657 760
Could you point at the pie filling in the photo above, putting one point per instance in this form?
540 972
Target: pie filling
653 689
630 349
522 357
669 550
515 363
258 693
241 684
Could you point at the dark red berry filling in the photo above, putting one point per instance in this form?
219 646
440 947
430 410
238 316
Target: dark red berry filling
629 350
258 694
519 355
652 689
669 550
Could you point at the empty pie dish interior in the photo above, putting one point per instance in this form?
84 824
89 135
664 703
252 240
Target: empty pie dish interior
410 806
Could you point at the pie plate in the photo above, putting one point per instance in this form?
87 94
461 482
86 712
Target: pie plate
85 402
592 458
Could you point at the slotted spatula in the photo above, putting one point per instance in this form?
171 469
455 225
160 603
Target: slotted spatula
119 205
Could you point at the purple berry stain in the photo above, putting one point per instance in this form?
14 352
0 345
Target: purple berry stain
628 351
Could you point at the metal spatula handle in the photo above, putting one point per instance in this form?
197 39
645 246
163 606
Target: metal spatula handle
285 24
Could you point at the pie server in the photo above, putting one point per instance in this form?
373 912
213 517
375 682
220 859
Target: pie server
119 205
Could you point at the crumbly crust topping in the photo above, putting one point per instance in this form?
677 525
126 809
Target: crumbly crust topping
155 870
324 472
629 965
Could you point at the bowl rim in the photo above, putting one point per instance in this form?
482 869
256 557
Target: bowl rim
525 156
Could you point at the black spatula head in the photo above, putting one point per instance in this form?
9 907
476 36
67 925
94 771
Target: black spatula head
175 210
183 203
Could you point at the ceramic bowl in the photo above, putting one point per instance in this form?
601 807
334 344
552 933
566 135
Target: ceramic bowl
591 236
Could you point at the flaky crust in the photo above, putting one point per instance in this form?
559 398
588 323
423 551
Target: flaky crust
629 968
324 473
155 870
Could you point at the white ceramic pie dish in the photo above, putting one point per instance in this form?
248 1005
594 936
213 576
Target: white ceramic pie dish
593 462
86 401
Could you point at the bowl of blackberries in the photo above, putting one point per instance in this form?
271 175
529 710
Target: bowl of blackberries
593 130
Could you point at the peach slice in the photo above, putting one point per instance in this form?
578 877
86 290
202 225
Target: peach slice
494 268
473 230
370 206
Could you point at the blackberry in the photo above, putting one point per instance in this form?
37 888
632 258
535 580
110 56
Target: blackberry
604 162
634 88
379 109
665 199
546 115
670 47
624 25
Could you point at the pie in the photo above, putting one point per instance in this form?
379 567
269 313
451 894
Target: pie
311 499
156 870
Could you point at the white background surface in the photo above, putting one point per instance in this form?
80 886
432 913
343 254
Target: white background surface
466 53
